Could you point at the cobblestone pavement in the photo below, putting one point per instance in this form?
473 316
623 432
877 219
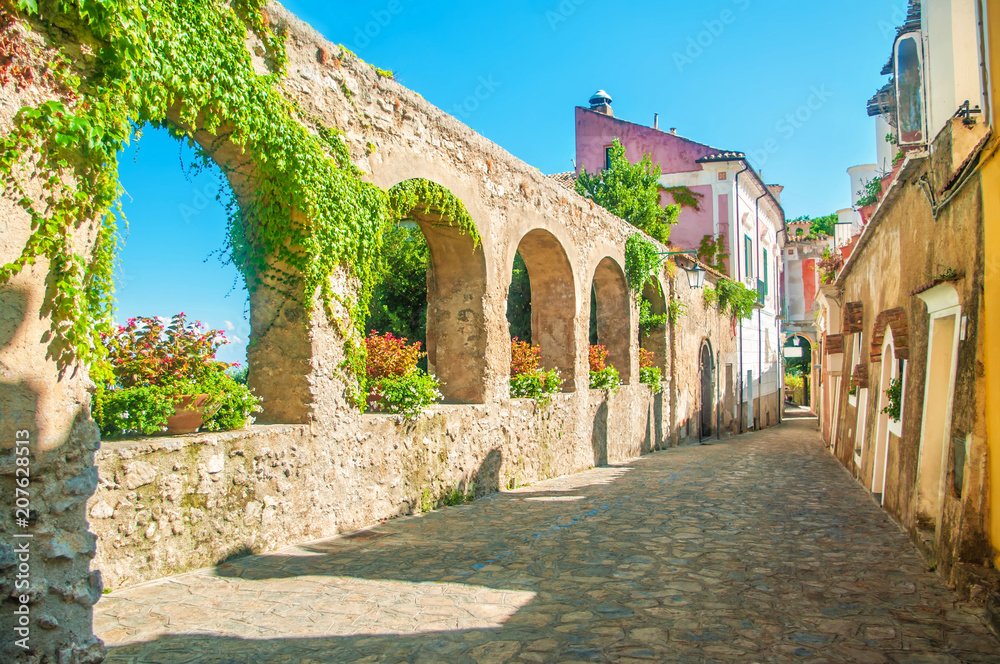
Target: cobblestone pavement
758 549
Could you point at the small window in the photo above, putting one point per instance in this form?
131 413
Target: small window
748 251
767 275
607 157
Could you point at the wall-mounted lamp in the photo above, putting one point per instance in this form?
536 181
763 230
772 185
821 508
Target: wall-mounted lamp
695 274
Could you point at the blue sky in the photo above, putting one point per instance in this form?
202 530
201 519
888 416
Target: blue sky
737 74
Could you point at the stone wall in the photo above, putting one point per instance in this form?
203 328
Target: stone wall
171 504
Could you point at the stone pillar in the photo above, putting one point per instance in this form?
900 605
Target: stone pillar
47 473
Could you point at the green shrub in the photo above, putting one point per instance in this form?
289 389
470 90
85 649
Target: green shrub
605 379
537 384
406 395
653 377
132 411
237 405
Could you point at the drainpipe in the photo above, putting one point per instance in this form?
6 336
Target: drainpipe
737 228
760 341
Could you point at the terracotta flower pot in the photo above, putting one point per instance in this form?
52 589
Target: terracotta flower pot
189 414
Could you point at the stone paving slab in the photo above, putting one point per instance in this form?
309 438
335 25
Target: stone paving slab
758 549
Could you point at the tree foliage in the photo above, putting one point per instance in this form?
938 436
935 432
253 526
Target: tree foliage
819 225
632 192
519 301
399 301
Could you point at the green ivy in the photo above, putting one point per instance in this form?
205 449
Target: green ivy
185 66
675 310
685 197
731 297
712 252
642 258
648 321
432 199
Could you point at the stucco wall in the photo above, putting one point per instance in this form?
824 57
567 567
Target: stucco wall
903 249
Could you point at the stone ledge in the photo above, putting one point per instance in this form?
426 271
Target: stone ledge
130 447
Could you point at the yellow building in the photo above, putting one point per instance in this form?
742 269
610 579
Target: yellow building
990 165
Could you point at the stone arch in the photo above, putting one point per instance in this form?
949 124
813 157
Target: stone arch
281 353
614 315
656 341
896 319
456 321
553 301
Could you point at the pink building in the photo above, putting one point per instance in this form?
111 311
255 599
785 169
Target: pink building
734 205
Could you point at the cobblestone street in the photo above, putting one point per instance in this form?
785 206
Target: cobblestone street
756 549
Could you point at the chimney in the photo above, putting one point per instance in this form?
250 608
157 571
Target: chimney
775 190
656 120
601 103
673 131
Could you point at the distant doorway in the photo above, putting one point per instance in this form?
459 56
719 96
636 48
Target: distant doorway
707 390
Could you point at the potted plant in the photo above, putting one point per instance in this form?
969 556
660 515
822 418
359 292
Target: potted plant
162 377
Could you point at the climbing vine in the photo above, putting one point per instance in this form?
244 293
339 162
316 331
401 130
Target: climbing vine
298 212
641 259
732 297
432 199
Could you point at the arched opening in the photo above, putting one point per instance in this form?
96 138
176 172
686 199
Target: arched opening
432 292
548 307
176 359
707 374
891 370
175 202
798 370
653 323
610 316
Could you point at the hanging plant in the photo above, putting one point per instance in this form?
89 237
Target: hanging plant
894 395
642 258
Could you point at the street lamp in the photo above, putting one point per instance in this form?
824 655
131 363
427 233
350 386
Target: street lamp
695 274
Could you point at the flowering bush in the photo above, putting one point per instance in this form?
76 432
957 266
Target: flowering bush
527 380
598 358
150 365
390 356
395 385
145 351
523 357
649 373
602 375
